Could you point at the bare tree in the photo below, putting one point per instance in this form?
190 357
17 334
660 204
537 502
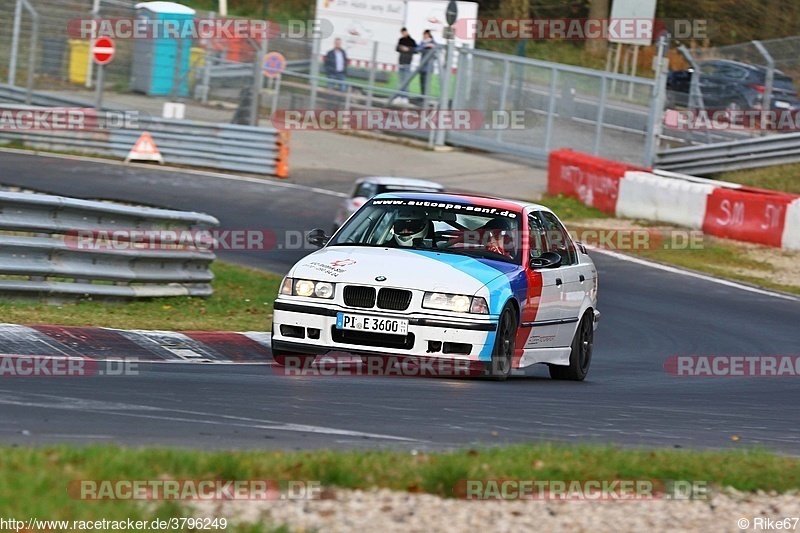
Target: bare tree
598 9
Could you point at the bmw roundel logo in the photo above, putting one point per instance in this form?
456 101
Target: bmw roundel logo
380 278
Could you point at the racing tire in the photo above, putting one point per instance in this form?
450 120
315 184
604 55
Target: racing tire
499 367
580 356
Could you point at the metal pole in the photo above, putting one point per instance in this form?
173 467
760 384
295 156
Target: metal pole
314 70
89 62
655 121
616 67
276 94
766 103
633 70
459 85
373 66
207 61
12 66
598 127
696 101
98 90
551 110
32 51
503 96
258 81
444 86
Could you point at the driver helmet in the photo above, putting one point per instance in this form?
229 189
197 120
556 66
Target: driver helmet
407 229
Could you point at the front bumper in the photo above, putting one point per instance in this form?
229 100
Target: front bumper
312 330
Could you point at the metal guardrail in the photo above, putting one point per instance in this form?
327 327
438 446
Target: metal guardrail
221 146
56 266
727 156
9 93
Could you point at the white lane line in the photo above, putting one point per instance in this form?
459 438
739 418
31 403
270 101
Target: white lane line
206 173
120 409
689 273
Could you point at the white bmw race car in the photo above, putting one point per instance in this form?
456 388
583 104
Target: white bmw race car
497 283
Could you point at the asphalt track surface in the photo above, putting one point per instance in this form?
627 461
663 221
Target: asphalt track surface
629 399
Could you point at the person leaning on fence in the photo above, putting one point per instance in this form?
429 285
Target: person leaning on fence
427 48
336 66
407 47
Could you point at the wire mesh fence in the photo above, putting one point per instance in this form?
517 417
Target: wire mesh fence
556 105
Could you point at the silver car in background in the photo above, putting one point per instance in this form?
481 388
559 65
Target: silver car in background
366 188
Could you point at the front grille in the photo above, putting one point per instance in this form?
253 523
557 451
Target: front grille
394 299
370 338
355 296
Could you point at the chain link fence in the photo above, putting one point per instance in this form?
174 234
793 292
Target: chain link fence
551 105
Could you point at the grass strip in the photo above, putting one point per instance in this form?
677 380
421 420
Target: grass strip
34 481
242 301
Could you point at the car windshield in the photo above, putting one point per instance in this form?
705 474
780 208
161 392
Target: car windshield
464 229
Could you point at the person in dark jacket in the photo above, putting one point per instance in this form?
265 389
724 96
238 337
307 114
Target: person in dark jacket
335 66
407 47
426 47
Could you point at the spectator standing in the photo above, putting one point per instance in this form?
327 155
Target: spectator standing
336 66
426 47
407 47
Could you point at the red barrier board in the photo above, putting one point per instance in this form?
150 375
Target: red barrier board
747 214
591 179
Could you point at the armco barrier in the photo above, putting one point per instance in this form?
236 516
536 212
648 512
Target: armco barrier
746 214
49 261
674 201
718 208
591 179
220 146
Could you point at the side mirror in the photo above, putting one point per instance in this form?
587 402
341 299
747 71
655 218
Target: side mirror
316 237
546 260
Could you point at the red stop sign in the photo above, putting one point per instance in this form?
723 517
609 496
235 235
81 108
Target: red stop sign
103 50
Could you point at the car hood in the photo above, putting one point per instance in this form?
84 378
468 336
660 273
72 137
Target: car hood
412 269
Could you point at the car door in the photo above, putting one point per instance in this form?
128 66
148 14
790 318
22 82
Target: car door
541 312
575 280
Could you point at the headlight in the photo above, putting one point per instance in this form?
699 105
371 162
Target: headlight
307 288
458 303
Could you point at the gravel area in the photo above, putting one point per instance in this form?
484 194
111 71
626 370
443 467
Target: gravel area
388 512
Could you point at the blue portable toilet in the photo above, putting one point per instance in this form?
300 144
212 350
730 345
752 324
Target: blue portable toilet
161 65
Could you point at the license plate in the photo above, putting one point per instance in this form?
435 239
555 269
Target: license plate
783 105
393 326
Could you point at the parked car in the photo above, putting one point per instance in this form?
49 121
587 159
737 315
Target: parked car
732 85
494 283
366 188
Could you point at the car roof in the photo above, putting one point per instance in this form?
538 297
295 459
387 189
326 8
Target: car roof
399 181
488 201
758 68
